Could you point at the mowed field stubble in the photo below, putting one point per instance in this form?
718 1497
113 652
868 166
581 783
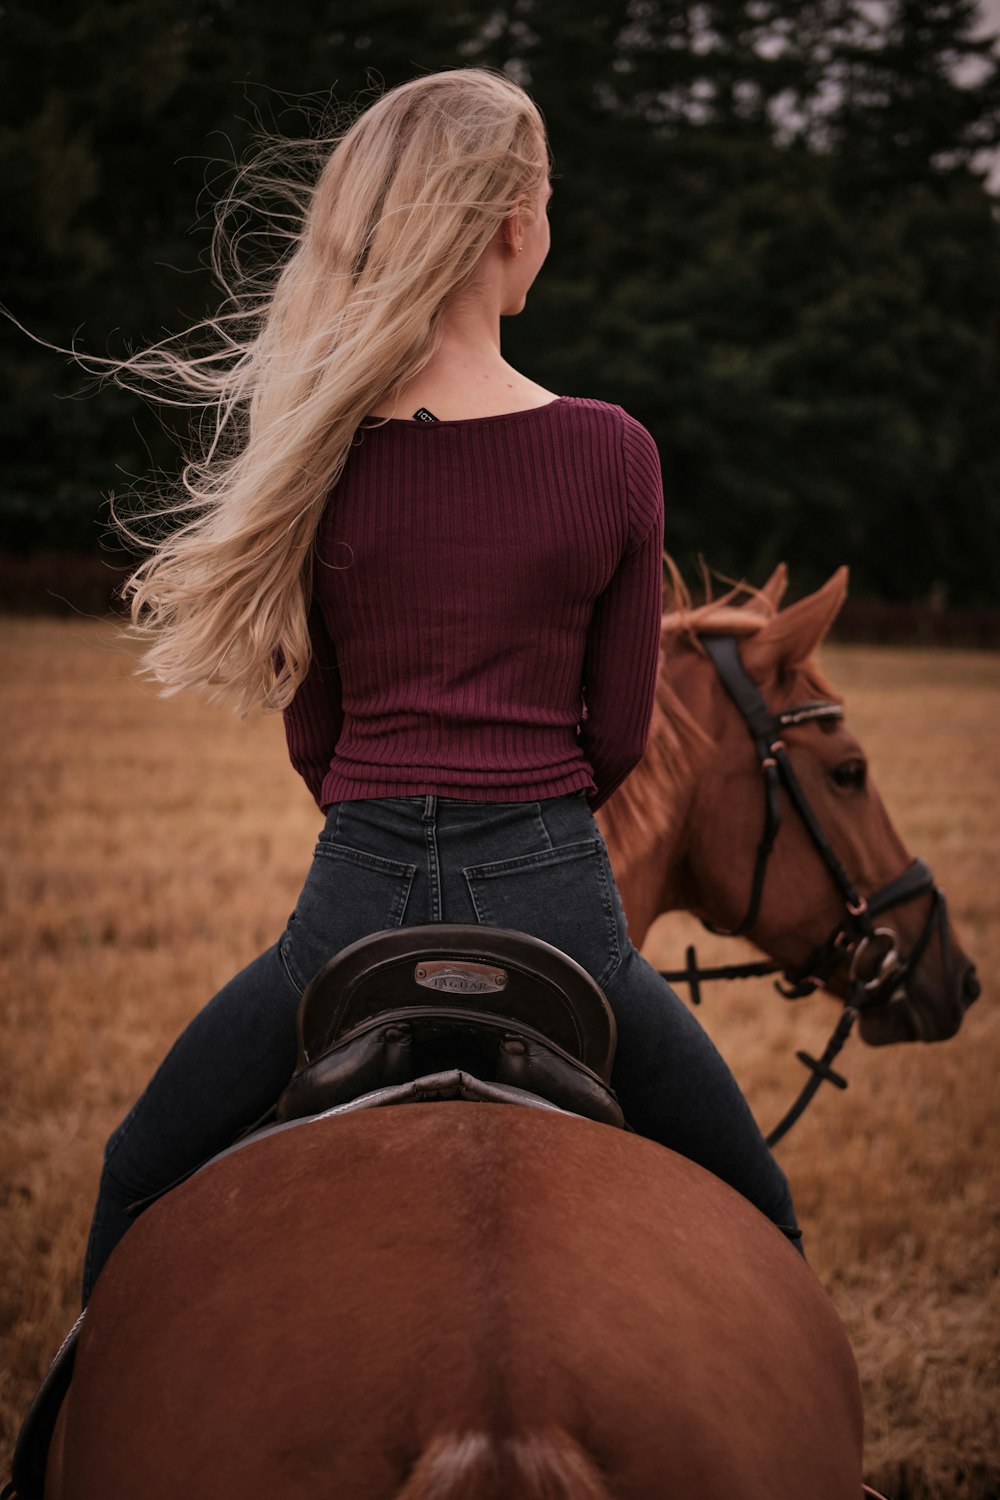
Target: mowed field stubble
152 847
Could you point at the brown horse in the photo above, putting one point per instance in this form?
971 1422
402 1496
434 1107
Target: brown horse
458 1302
448 1301
683 830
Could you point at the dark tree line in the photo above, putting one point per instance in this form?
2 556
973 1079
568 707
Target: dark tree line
772 241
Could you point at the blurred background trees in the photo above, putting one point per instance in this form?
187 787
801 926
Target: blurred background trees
773 241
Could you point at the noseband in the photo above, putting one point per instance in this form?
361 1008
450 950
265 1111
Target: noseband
876 968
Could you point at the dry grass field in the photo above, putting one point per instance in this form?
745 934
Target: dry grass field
152 847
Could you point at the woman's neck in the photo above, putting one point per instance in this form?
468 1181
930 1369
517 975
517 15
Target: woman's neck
467 376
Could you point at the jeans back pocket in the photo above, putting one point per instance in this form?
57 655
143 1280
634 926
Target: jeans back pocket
565 896
349 894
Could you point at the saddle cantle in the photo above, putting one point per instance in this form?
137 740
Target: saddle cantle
499 1005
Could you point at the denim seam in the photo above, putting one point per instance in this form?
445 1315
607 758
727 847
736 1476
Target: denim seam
285 961
609 916
397 912
543 857
433 869
328 850
609 974
119 1134
542 829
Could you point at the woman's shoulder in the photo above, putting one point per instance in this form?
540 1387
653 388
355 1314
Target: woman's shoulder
614 416
638 462
636 443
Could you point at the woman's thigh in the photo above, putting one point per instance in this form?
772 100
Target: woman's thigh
225 1069
675 1086
238 1052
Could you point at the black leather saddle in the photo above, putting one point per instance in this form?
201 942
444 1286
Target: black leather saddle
415 1001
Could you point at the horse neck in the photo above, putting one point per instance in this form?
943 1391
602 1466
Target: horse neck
645 822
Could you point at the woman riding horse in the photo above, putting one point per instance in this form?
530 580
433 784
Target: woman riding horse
448 579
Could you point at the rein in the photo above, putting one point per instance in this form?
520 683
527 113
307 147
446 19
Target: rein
876 966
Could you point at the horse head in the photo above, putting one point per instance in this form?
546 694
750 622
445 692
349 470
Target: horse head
689 829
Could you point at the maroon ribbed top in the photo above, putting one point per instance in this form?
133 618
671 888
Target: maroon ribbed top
486 617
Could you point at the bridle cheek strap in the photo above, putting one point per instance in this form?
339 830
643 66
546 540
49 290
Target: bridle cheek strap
765 731
857 931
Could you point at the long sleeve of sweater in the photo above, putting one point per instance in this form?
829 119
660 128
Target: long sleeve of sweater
623 643
315 716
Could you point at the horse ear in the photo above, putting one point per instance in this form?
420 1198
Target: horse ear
774 588
764 602
792 635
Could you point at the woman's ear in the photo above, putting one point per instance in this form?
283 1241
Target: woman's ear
512 229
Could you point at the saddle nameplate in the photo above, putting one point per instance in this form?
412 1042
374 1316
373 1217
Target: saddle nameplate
460 978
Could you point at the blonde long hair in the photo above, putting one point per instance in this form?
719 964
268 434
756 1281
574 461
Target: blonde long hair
405 204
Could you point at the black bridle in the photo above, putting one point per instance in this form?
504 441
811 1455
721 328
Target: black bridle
876 968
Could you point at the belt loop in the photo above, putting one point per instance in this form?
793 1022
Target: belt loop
430 807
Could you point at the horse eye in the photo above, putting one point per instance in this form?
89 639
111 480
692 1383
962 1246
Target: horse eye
849 775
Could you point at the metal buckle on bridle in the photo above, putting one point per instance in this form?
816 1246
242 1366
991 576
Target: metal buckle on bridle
878 948
875 965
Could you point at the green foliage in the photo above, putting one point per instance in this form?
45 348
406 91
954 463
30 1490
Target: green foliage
771 242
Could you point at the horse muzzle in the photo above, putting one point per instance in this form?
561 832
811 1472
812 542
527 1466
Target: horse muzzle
921 1010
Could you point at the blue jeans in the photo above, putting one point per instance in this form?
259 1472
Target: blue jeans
540 867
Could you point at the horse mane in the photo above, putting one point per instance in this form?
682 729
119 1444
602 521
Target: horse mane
676 740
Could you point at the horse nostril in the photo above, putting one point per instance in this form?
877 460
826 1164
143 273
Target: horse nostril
971 985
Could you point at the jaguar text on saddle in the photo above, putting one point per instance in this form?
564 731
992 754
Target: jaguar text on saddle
456 1299
753 808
